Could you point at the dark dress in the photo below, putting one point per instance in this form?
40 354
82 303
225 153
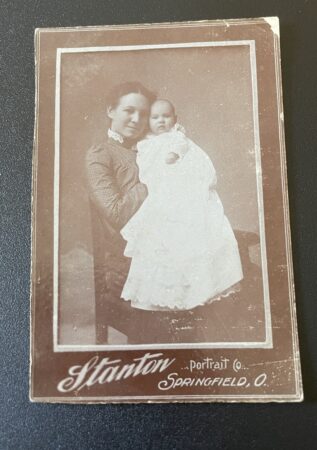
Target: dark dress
115 194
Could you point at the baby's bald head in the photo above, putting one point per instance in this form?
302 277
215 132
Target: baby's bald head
162 116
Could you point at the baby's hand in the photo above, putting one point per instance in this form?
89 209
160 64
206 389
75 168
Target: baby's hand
171 158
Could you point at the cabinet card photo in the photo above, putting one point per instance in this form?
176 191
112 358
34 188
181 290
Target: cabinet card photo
161 252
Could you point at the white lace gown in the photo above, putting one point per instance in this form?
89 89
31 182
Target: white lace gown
183 249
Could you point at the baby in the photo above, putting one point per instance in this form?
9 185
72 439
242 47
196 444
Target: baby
182 248
163 119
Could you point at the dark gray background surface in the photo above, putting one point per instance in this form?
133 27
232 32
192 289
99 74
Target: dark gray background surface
226 426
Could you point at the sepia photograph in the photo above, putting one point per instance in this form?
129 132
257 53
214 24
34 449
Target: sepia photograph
157 183
159 231
161 257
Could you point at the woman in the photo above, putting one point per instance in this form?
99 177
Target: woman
114 188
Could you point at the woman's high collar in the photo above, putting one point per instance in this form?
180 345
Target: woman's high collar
115 136
118 138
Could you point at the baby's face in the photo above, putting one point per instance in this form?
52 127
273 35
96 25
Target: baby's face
162 117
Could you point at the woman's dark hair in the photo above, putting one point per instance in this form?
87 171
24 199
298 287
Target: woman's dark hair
130 87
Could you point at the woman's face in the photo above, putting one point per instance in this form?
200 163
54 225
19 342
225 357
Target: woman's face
130 117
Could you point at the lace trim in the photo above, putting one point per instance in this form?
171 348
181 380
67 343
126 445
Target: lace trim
115 136
179 127
179 306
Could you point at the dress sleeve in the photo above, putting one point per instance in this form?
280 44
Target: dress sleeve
114 206
179 144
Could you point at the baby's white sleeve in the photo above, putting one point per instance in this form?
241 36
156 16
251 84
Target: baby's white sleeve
180 145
